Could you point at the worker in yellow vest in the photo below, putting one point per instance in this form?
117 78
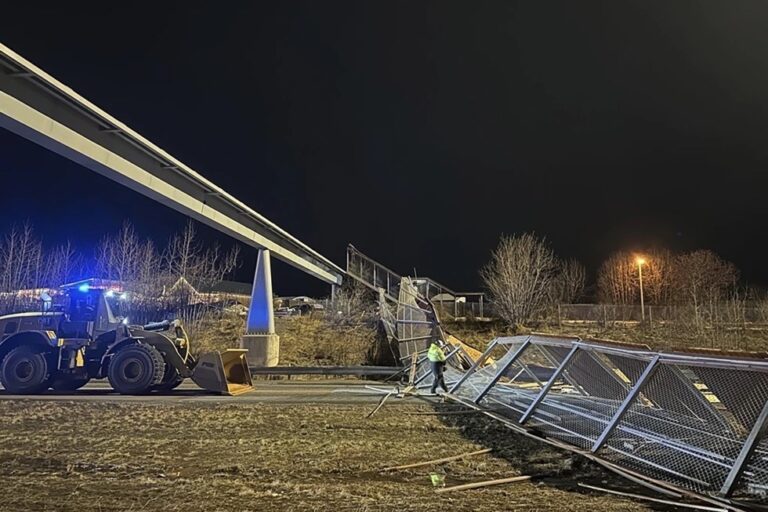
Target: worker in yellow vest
436 358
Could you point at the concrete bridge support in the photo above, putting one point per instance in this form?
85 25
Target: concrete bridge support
260 340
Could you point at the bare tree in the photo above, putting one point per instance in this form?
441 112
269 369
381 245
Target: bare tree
61 265
520 277
570 282
20 259
185 257
118 257
617 279
182 255
215 266
151 277
703 281
658 273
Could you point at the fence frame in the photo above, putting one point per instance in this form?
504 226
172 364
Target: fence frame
517 346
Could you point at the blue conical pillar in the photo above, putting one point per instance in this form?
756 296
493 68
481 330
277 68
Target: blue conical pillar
260 340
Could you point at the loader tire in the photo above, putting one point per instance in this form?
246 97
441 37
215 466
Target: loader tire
26 371
171 380
136 369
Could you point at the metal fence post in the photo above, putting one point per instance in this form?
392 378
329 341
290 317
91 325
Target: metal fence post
478 362
348 269
548 385
754 438
503 369
647 373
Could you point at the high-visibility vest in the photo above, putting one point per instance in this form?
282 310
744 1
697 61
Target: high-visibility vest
435 354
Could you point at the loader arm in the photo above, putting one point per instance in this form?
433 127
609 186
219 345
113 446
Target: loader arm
224 372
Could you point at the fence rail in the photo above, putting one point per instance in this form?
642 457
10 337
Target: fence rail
613 313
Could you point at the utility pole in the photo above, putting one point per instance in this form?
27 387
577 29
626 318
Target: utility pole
640 263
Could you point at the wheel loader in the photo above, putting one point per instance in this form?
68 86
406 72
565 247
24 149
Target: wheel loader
65 345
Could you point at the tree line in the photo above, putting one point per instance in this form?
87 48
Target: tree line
526 280
138 264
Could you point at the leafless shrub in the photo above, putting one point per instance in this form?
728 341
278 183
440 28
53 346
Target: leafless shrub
570 282
520 277
352 304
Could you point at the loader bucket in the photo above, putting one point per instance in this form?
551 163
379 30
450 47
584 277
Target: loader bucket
226 372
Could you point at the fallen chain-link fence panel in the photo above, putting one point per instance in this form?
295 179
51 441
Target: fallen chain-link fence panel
694 421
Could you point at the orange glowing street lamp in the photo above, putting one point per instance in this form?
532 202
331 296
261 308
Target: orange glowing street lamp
640 262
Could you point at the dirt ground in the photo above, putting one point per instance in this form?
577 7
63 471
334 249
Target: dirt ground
238 456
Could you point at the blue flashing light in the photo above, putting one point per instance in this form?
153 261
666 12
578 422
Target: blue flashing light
84 287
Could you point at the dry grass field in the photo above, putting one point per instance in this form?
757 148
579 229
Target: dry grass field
659 337
304 341
176 456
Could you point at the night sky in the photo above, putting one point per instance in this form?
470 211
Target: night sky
419 131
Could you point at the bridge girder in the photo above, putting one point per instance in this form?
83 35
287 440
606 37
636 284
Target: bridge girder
38 107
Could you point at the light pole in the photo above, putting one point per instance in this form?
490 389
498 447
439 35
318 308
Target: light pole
640 262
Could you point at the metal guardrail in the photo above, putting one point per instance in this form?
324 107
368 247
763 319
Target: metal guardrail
326 370
696 422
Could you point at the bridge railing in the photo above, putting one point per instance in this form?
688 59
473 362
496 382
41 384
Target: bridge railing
451 304
372 273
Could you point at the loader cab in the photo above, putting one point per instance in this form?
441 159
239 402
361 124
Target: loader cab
88 313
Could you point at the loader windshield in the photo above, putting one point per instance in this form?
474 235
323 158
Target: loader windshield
117 305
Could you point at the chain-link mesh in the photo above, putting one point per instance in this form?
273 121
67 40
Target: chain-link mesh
671 417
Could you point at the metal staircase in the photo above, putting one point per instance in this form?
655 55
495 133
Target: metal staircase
409 317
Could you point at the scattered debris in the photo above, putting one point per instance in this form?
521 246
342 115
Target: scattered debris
648 498
438 479
438 461
381 403
448 413
486 483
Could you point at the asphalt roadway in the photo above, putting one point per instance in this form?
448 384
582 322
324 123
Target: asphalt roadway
265 391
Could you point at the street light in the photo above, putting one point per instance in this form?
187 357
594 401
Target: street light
640 262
